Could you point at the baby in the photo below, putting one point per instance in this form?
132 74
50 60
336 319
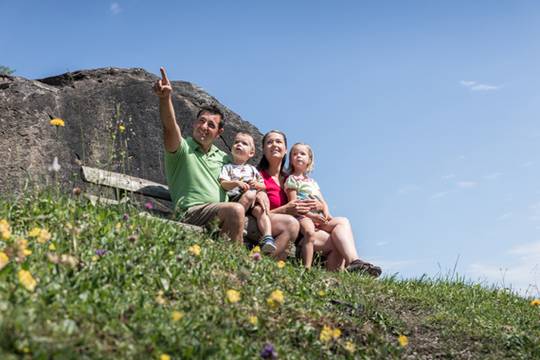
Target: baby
245 185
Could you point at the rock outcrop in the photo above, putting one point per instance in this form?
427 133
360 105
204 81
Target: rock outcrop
96 106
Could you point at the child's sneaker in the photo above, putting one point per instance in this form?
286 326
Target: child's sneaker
268 245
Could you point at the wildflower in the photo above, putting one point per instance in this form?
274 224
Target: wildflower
403 340
22 249
57 122
55 166
256 256
4 260
122 128
275 299
94 258
101 252
27 280
177 315
233 296
5 229
256 249
132 238
350 347
149 205
535 302
195 250
34 232
118 226
281 264
253 320
125 217
160 299
52 247
44 236
328 333
164 357
322 293
268 351
76 191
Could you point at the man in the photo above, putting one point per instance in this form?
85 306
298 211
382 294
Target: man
193 164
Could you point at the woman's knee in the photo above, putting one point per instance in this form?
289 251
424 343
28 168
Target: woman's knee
342 221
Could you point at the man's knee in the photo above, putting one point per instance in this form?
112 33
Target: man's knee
232 212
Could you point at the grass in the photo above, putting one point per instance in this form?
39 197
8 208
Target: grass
126 277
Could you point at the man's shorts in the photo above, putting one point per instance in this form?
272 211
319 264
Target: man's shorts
201 215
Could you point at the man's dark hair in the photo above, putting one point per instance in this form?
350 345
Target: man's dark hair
214 110
264 164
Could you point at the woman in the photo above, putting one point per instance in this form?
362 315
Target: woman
338 246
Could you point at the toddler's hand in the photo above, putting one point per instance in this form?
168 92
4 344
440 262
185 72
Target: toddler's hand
243 186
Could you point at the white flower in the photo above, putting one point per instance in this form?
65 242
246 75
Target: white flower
55 166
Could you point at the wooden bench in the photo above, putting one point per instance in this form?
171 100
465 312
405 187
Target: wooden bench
124 185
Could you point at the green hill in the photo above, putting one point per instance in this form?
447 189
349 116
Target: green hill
103 282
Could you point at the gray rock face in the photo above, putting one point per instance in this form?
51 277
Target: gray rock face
94 105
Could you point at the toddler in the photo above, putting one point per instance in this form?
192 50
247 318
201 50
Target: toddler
300 186
245 185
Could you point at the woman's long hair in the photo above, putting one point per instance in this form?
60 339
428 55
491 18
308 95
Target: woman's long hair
264 164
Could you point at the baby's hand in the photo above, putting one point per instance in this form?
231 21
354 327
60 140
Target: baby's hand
253 184
242 185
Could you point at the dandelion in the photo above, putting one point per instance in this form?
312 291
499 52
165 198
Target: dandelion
350 347
118 226
326 334
195 249
256 256
253 320
275 299
55 166
403 340
336 333
22 249
52 247
281 264
164 357
95 258
5 229
122 128
4 260
269 351
322 293
535 302
177 315
256 249
44 236
57 122
27 280
34 232
233 296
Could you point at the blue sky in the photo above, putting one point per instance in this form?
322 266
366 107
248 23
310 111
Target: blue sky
424 116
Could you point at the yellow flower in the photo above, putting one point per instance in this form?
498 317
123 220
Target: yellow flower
34 232
22 249
122 128
233 296
164 357
5 229
4 260
177 315
52 247
27 280
326 334
44 236
275 299
160 299
118 226
195 250
322 293
253 320
57 122
336 333
281 264
350 347
95 258
256 249
535 302
403 340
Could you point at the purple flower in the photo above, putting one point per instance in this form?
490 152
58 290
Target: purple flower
256 256
101 252
125 217
149 205
268 351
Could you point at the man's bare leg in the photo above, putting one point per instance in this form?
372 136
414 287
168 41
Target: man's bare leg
232 217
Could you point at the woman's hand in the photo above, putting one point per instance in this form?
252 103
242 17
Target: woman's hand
298 207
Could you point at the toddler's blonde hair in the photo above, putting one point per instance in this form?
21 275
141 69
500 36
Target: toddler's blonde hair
311 163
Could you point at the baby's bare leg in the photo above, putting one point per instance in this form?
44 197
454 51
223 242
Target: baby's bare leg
262 199
247 199
263 220
307 227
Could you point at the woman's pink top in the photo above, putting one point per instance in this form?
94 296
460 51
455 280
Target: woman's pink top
276 194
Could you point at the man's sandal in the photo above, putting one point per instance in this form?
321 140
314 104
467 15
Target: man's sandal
364 267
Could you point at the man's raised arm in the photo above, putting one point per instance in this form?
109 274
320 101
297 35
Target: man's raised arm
172 136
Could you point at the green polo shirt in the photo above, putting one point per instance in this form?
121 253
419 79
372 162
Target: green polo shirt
193 176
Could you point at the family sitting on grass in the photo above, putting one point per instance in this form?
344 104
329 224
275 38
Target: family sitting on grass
205 185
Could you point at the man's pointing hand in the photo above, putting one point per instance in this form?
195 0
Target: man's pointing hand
163 87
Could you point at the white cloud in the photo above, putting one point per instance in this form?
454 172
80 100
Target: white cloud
115 8
448 177
439 195
467 184
492 176
527 164
476 86
381 243
523 273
